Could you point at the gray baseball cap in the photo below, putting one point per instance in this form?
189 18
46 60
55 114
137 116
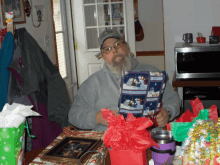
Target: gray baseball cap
109 33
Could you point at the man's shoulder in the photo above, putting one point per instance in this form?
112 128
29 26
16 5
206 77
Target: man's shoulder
145 67
94 78
96 75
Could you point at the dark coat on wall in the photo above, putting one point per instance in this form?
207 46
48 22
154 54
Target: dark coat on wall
41 81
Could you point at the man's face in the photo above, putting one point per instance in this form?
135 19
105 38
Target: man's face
118 58
116 55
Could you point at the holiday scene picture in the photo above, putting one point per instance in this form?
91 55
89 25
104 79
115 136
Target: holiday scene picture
150 108
72 149
135 81
154 89
156 73
148 112
132 102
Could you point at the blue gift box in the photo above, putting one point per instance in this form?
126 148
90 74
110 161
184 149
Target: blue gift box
141 93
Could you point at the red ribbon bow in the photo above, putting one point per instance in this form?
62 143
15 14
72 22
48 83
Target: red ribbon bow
127 135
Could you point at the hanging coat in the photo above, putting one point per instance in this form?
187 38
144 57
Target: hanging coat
34 75
41 78
6 55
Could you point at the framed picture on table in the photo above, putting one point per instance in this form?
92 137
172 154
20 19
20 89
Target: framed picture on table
17 6
70 150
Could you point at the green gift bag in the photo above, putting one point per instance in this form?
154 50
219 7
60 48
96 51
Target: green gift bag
12 143
12 133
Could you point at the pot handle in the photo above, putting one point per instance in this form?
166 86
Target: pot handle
184 36
163 151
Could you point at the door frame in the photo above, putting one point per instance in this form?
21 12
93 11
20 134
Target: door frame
81 41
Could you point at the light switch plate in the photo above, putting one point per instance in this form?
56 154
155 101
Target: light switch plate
46 40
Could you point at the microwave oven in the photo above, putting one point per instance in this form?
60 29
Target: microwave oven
197 61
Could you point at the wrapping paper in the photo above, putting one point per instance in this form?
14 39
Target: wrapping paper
95 159
189 116
14 115
141 93
199 132
127 135
180 129
202 146
213 114
182 125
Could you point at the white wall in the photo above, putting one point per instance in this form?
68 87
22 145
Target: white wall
151 19
187 16
156 61
45 28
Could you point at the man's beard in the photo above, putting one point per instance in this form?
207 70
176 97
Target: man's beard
120 62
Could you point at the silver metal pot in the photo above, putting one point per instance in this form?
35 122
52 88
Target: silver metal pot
167 147
162 136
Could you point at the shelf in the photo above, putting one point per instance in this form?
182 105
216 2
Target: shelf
195 83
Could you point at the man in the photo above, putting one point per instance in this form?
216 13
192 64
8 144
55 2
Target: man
102 89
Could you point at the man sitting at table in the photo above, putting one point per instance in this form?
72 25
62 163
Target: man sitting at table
102 89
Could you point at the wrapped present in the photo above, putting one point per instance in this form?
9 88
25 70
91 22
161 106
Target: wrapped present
200 133
141 93
94 158
12 134
129 138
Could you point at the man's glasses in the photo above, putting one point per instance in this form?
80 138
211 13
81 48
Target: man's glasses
116 45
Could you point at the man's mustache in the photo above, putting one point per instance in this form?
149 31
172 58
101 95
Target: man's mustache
116 55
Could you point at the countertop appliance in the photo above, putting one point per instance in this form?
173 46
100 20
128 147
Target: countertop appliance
208 95
197 61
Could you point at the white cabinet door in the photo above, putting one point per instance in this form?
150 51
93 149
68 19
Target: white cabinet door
90 18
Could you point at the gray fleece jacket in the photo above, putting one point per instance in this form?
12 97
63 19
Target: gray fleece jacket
102 90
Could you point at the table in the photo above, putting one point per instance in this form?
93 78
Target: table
35 156
195 83
207 90
29 156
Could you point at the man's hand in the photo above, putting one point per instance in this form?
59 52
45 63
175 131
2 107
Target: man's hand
115 112
162 118
100 119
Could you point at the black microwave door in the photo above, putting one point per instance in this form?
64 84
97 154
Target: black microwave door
198 62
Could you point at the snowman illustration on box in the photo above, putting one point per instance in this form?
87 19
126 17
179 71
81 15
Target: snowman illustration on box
141 93
132 103
139 102
139 82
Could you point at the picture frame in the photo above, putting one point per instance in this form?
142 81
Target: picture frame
18 8
70 149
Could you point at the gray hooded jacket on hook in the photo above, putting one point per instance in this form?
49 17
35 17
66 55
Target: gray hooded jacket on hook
102 90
